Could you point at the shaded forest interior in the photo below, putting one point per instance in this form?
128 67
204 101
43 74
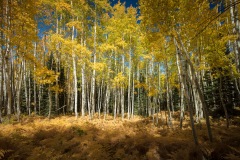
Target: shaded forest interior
165 70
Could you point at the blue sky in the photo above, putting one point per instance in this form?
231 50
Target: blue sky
43 27
128 2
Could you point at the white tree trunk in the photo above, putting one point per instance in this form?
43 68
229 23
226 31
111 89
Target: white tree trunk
94 62
18 90
83 90
182 89
74 77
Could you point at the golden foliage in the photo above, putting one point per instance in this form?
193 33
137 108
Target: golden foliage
75 24
152 91
56 88
99 67
62 6
119 80
45 76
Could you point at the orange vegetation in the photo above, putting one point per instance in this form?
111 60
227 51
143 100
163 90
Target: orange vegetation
66 138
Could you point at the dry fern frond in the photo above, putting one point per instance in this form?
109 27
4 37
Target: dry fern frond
232 157
3 152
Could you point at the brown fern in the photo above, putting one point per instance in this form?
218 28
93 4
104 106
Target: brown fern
3 152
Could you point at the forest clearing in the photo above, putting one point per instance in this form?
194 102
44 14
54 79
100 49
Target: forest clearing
64 137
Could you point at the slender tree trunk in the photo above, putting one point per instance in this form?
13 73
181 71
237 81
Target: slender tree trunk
34 82
222 102
58 70
191 117
94 62
138 91
83 90
236 43
13 85
68 86
129 85
18 91
39 98
195 96
1 86
182 89
49 102
8 85
198 89
25 86
88 101
147 108
122 90
75 86
29 92
100 99
115 103
2 62
159 93
8 59
107 96
75 77
132 96
187 97
169 120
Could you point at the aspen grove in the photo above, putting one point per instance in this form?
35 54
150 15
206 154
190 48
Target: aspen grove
90 58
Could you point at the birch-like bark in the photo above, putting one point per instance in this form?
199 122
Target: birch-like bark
18 90
236 43
182 89
8 59
147 108
169 120
68 86
100 99
190 107
138 90
184 76
132 115
159 93
29 92
122 102
94 62
83 90
115 103
107 97
1 85
75 77
25 86
34 82
2 64
122 89
198 88
106 104
195 97
88 91
49 102
129 85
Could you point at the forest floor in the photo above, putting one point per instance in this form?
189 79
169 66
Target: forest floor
63 137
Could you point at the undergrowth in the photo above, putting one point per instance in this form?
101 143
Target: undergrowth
66 138
3 152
